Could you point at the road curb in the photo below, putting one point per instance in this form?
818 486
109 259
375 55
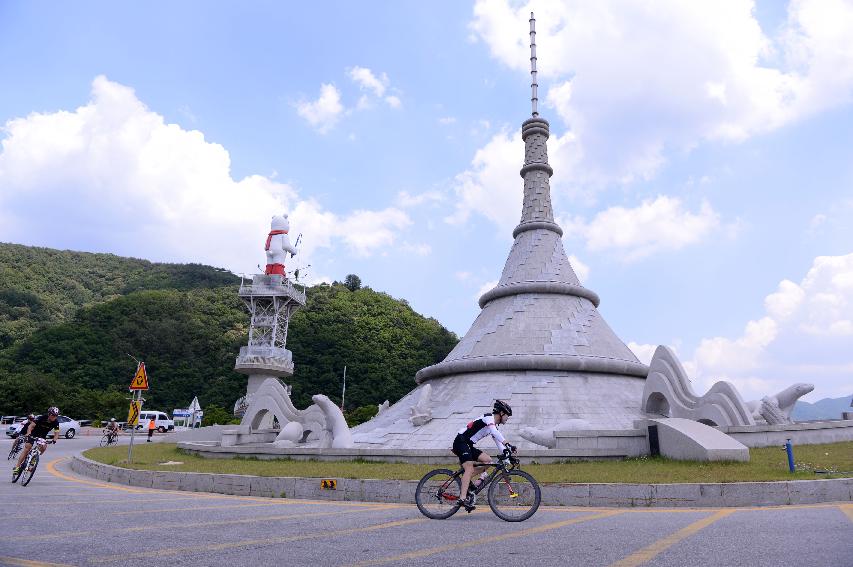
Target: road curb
710 495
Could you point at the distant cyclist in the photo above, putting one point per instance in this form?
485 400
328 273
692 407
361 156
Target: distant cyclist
112 428
469 456
38 429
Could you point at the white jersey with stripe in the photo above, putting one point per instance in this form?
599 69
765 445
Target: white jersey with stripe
479 428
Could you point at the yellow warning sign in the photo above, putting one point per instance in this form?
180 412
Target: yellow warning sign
133 414
329 484
140 379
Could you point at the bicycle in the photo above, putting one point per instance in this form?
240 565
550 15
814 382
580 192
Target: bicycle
16 447
28 469
109 438
513 494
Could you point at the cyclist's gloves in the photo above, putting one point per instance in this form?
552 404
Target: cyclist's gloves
511 448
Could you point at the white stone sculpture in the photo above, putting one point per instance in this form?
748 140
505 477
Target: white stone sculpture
421 414
321 424
546 438
278 245
337 431
667 392
383 406
292 431
777 409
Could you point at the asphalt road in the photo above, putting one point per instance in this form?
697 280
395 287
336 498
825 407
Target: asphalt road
65 519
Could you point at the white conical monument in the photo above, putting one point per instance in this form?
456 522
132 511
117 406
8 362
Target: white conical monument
539 341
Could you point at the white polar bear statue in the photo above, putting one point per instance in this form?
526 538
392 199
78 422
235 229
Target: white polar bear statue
278 245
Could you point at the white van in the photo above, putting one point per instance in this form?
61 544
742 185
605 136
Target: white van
161 421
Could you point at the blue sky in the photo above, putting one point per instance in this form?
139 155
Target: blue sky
702 154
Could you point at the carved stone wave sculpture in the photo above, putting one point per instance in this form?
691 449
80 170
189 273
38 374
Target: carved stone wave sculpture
668 392
319 425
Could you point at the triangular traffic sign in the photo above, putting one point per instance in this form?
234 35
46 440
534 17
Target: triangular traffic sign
140 379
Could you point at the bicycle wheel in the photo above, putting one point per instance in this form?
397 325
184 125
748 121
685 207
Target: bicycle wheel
30 469
105 440
113 440
437 494
514 496
16 448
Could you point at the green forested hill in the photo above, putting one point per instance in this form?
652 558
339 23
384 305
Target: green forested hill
187 323
41 287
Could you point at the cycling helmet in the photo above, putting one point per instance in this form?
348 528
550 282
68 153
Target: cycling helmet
53 410
31 417
502 407
113 419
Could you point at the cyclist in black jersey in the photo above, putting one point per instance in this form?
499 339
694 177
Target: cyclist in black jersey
469 456
39 428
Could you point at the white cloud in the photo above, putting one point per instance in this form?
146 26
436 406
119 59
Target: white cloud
406 200
635 81
366 80
581 269
113 176
447 120
393 101
324 112
654 226
376 85
805 336
483 289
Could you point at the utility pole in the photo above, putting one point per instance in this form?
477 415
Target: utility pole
344 393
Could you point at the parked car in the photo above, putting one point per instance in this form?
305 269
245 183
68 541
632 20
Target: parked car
68 428
161 421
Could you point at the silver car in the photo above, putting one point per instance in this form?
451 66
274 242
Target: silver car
67 427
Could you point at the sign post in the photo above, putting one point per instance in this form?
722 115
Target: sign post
139 383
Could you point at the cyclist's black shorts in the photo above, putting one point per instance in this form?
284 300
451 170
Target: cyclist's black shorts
463 449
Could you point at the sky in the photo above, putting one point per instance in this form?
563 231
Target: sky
702 155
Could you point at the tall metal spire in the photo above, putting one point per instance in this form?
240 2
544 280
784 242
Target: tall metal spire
533 84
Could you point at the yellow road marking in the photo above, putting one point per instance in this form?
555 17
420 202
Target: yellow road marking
248 542
649 552
29 563
486 540
184 525
847 509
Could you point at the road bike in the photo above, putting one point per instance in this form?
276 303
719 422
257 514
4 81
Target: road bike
31 463
16 447
513 494
109 438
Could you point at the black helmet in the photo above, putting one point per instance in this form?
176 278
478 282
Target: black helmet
502 407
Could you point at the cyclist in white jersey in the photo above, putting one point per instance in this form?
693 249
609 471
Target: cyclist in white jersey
469 456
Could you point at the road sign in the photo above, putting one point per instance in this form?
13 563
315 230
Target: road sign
328 484
133 414
140 379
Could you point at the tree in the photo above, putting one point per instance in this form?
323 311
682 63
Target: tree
352 282
215 415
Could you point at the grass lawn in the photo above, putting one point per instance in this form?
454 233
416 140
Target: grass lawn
765 464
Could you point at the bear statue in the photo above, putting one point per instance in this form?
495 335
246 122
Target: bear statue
278 245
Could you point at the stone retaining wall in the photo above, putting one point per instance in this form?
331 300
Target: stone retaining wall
403 491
